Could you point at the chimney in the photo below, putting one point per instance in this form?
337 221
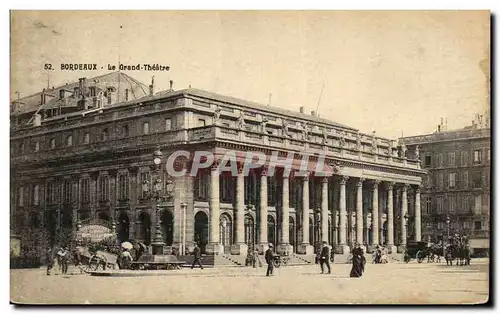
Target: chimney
152 86
42 97
37 121
313 113
171 85
126 94
301 109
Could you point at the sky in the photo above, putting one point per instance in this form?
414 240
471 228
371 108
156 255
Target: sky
393 72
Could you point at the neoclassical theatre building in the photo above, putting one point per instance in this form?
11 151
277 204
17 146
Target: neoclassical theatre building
86 151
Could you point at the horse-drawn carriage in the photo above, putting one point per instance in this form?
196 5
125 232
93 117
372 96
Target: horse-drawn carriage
280 260
423 250
458 249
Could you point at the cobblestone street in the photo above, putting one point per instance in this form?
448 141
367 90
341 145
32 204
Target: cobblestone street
390 283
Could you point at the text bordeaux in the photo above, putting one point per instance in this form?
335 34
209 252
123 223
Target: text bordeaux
78 66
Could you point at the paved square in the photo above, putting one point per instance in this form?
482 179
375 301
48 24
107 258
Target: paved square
390 283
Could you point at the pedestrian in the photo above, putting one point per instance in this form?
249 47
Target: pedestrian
197 256
63 258
125 259
269 260
358 261
325 258
49 259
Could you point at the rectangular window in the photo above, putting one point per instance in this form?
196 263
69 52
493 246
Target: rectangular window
67 192
428 205
477 225
271 191
427 160
464 158
168 124
226 188
451 204
466 180
478 158
441 181
51 193
145 184
202 185
104 188
452 180
440 160
123 187
477 179
20 196
201 122
451 159
478 203
440 225
439 207
85 190
36 195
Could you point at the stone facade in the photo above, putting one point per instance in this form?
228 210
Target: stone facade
106 172
458 183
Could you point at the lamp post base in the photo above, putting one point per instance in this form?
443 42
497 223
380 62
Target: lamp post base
157 244
343 249
214 249
239 249
305 248
284 248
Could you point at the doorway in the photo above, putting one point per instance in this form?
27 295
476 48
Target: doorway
201 230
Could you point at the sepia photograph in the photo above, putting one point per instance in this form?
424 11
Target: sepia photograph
250 157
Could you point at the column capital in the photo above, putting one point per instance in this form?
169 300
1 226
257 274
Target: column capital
215 165
390 185
324 180
360 182
376 184
343 180
417 189
306 177
263 172
405 187
240 168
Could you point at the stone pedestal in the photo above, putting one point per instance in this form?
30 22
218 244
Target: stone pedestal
342 249
391 249
239 249
214 249
306 249
284 248
262 248
401 248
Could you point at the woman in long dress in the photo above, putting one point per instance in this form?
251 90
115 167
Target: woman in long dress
358 261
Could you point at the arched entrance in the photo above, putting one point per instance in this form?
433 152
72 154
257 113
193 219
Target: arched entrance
123 227
103 216
271 230
249 231
201 230
145 229
291 233
167 223
226 232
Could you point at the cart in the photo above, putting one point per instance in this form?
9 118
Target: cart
280 260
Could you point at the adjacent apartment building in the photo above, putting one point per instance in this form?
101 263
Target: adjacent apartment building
456 190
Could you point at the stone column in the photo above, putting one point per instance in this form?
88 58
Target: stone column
375 218
418 218
324 209
240 248
305 247
390 218
359 212
263 245
342 248
284 245
214 247
404 210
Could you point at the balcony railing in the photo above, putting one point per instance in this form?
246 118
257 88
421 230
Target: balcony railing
442 136
213 133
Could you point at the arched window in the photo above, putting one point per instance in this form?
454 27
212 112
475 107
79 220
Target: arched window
52 143
69 140
145 128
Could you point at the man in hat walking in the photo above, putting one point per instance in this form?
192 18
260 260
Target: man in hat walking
269 260
325 258
197 256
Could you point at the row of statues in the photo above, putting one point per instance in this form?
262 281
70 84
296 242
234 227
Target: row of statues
305 135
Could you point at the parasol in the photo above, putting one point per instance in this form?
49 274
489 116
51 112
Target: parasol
127 245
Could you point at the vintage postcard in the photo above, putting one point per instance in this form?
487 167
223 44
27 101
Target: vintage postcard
250 157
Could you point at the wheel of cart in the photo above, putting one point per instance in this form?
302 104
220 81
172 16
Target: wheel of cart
285 260
277 261
420 256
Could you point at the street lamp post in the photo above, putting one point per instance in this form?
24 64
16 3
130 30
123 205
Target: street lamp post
448 228
157 243
184 207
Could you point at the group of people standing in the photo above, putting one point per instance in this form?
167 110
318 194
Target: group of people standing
60 256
